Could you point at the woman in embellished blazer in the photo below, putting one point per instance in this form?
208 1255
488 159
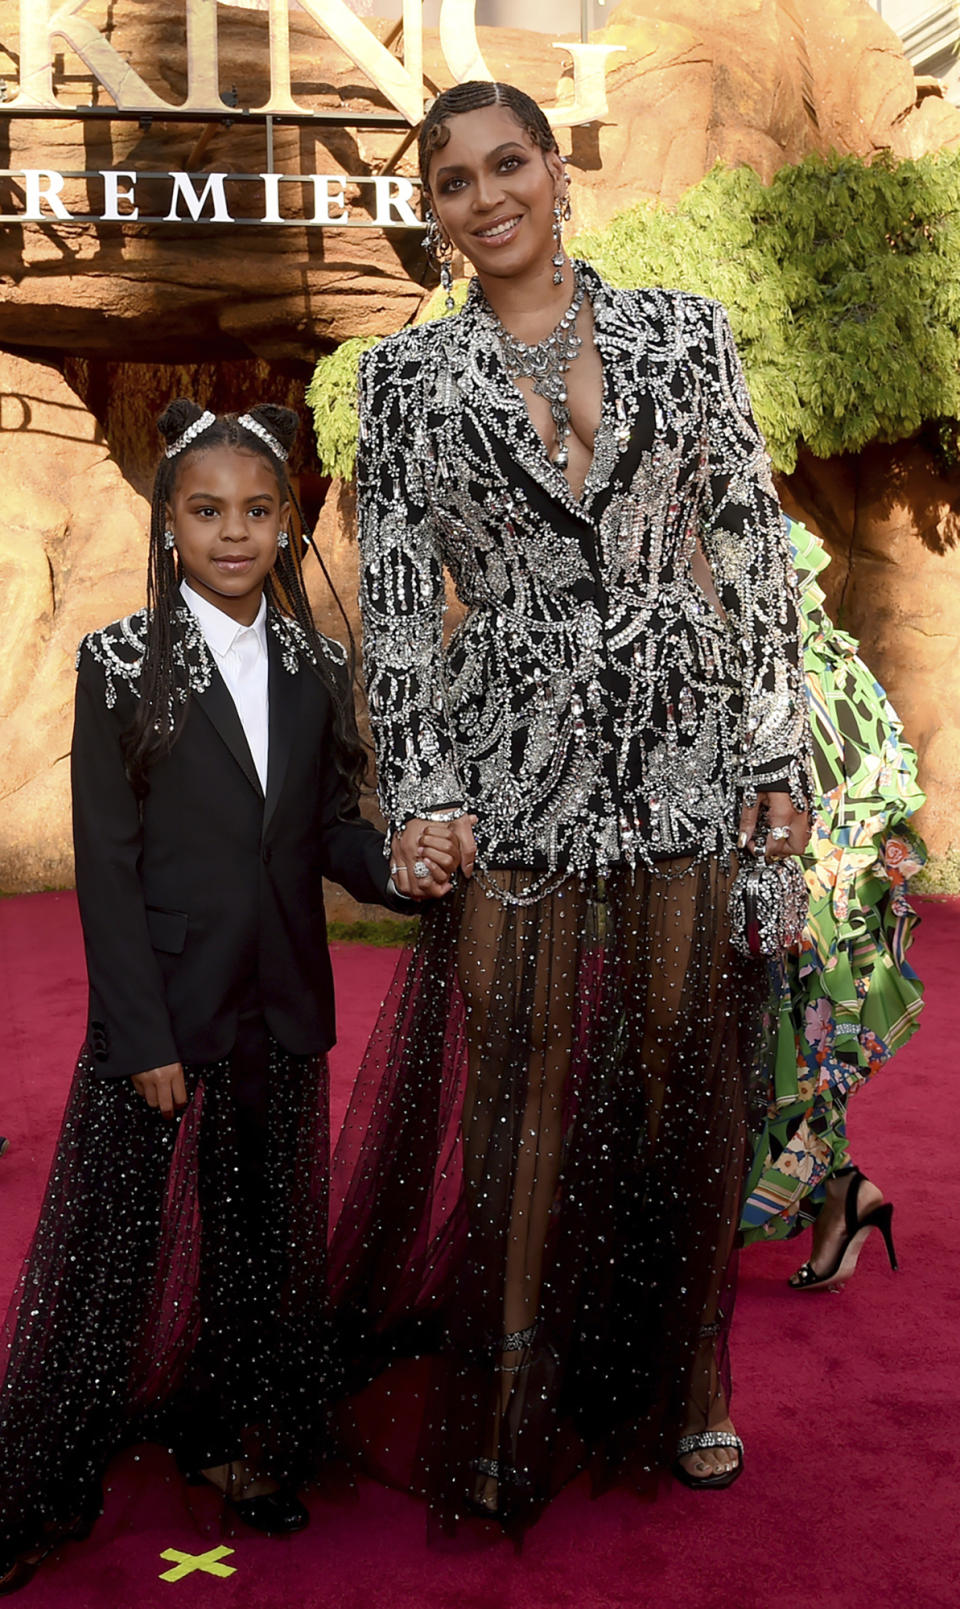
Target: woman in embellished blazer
541 1176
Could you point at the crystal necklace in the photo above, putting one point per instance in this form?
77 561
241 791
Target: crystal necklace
546 364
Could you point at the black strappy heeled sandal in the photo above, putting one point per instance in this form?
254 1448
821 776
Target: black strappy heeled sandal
481 1501
857 1230
700 1440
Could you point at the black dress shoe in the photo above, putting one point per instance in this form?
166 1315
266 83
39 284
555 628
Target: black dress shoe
275 1513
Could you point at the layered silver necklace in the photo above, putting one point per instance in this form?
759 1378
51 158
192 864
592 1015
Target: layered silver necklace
546 364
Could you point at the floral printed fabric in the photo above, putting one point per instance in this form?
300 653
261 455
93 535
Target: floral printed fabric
849 999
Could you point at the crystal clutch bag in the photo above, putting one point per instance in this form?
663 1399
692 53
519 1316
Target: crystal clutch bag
768 906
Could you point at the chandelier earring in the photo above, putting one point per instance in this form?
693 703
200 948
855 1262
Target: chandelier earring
169 540
440 250
557 258
562 214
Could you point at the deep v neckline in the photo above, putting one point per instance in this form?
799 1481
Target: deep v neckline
628 418
577 498
551 473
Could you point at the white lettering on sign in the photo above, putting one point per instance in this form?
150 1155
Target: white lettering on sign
43 30
113 195
364 48
34 195
328 192
183 186
589 102
202 198
393 201
39 27
271 197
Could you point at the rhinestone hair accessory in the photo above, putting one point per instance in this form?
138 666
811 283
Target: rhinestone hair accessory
192 431
257 429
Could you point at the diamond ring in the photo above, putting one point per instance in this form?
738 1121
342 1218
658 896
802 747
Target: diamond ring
421 870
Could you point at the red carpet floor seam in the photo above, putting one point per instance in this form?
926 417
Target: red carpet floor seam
847 1404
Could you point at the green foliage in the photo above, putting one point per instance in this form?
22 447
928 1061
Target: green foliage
332 393
385 934
941 875
435 305
842 281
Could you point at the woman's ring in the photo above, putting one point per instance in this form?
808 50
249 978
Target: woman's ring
394 868
421 870
780 834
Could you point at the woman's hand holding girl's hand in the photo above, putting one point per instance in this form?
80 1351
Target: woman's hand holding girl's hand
162 1087
440 846
788 829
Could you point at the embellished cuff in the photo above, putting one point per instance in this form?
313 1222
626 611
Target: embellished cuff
779 776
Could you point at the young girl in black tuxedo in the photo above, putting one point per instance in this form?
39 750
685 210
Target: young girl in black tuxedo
175 1289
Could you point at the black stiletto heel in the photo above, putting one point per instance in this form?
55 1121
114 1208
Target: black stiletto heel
845 1262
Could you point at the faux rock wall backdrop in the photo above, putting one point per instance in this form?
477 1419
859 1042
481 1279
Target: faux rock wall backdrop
98 329
71 556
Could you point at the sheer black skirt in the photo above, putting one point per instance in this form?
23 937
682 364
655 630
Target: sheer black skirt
536 1190
175 1289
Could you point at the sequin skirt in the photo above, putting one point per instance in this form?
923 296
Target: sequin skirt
175 1290
536 1189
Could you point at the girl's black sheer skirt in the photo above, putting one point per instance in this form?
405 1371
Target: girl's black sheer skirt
175 1290
537 1187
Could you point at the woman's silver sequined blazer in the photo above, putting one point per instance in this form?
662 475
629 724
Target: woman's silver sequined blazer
593 707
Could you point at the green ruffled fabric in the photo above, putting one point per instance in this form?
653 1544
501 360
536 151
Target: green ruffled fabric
849 1000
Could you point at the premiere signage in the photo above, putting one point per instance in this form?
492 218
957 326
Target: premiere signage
122 196
46 27
347 201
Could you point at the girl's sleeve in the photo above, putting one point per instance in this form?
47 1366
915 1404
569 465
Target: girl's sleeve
401 600
743 532
129 1025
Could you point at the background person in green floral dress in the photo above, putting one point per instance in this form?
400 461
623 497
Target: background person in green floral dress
849 999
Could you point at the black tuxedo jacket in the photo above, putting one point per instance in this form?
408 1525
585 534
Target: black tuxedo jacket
206 894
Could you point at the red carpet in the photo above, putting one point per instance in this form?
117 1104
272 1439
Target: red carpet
848 1404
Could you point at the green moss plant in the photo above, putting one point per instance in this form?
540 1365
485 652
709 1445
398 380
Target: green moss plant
842 281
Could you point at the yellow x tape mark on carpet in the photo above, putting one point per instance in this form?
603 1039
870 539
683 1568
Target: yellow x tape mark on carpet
188 1562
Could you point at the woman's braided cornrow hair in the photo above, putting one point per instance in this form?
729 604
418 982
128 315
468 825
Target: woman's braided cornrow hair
471 97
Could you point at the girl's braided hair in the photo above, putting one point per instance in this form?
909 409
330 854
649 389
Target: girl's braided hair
164 683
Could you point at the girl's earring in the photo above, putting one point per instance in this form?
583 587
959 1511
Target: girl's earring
440 250
169 540
282 540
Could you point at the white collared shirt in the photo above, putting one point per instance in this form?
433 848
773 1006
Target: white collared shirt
240 655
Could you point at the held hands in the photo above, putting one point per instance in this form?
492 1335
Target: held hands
162 1087
440 847
787 828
